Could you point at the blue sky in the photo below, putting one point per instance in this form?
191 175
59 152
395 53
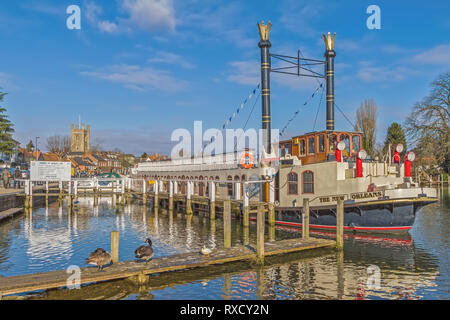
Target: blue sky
138 69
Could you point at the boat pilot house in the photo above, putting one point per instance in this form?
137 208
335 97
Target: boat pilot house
321 146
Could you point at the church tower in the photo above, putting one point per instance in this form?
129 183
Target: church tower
80 138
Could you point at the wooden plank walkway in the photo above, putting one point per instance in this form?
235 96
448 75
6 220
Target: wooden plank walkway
126 269
9 213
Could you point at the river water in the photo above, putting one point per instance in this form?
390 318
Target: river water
412 266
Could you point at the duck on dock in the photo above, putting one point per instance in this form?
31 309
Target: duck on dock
205 251
100 257
145 252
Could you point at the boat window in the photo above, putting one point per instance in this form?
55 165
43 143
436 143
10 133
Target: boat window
285 149
311 145
332 142
321 143
356 143
308 182
230 187
302 147
292 183
346 139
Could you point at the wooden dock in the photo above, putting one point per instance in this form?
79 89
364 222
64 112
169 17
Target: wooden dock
139 270
10 213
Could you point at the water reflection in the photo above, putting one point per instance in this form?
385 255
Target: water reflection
411 267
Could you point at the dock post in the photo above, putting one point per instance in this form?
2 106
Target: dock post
60 196
212 200
130 190
227 223
156 194
237 189
75 185
245 217
27 196
46 193
340 224
115 246
94 189
188 198
305 219
271 204
69 196
246 237
112 190
144 192
171 195
122 199
260 221
30 195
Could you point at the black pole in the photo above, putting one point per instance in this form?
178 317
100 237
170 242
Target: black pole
329 76
264 44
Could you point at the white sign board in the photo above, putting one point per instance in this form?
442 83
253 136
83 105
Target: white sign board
50 170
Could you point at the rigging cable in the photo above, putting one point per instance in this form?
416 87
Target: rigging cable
248 118
304 104
318 108
351 123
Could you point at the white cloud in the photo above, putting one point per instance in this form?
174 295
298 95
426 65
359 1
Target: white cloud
93 13
369 73
245 72
151 14
138 78
437 55
218 23
170 58
300 17
107 26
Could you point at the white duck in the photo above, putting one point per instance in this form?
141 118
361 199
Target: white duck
206 251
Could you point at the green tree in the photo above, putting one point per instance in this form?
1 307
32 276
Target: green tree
144 155
428 124
395 134
30 146
7 143
366 122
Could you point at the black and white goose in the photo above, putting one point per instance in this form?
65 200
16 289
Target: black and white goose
145 252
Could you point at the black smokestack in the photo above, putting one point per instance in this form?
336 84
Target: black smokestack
329 77
264 44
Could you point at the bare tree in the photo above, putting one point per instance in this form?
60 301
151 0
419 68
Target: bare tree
366 122
428 124
59 145
97 145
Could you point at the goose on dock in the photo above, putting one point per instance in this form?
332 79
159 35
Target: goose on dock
205 251
145 252
96 251
100 257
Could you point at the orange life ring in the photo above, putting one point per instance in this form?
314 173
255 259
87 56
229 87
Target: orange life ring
247 161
